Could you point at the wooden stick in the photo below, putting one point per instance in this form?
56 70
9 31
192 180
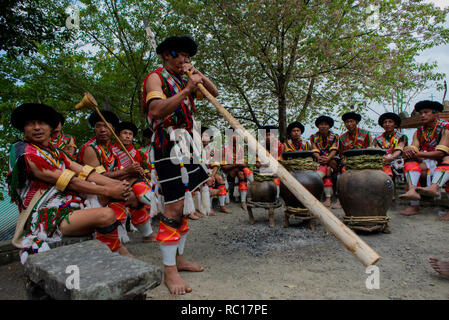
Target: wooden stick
352 242
94 105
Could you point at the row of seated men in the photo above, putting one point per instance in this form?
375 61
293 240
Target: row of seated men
103 162
424 158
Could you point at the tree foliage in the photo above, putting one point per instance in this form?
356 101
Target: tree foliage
281 60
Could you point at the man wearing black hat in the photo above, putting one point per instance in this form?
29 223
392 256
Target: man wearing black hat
126 131
325 147
62 141
99 153
355 137
429 151
294 141
55 195
168 99
391 140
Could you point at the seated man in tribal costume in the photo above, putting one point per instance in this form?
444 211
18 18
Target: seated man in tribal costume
126 131
355 137
294 141
325 148
168 99
271 141
428 152
99 152
217 186
62 141
391 140
234 166
54 194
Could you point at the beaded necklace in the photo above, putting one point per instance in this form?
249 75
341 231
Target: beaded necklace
385 146
44 152
109 160
425 135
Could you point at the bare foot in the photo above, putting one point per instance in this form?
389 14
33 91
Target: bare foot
225 210
193 216
174 282
432 191
442 267
444 217
149 238
244 206
410 195
185 265
212 213
410 211
199 214
336 205
327 202
124 252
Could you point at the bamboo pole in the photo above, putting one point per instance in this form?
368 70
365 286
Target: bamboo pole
351 241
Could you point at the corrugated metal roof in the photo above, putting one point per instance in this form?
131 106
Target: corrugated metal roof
8 217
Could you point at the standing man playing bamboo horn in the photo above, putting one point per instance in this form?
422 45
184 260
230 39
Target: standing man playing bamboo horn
168 99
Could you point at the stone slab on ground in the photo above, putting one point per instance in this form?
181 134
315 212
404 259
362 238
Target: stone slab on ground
103 275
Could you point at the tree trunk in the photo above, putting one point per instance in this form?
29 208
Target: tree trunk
301 115
282 107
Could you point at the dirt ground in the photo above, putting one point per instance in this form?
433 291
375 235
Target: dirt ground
254 262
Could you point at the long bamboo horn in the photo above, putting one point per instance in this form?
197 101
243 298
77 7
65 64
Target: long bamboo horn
90 102
352 242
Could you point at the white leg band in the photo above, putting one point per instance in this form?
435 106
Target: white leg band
169 254
413 176
181 244
440 178
328 192
145 228
222 200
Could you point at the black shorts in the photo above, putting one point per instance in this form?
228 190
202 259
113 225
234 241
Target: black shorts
169 176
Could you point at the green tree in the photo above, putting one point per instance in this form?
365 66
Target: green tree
274 60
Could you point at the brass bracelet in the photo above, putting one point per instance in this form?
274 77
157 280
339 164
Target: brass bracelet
399 148
155 95
443 148
100 169
87 170
316 150
333 148
64 179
